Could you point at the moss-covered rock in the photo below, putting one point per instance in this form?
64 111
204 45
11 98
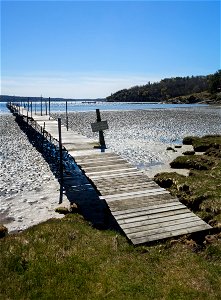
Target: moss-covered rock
3 231
197 162
190 152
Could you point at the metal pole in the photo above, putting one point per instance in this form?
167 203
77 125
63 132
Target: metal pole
67 114
60 163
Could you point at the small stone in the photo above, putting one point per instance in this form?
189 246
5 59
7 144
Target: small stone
74 208
189 152
62 210
170 149
210 239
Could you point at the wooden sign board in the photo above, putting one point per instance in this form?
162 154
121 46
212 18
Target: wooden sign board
99 126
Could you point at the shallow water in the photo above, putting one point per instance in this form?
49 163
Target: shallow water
77 106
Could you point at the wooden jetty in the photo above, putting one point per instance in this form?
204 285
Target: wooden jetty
144 211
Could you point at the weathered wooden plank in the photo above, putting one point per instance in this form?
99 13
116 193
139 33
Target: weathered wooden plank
155 214
160 219
166 229
133 203
146 208
169 234
94 162
151 193
96 155
118 174
151 210
140 192
105 190
128 178
158 225
134 194
109 172
107 167
101 162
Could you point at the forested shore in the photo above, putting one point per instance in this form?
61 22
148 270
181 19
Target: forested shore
188 89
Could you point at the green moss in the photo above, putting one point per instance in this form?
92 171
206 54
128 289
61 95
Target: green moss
201 144
202 192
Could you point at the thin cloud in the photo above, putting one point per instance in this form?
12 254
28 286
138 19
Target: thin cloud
70 85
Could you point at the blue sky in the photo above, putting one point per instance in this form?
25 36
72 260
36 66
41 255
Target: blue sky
90 49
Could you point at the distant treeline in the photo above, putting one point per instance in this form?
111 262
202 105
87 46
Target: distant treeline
7 98
169 88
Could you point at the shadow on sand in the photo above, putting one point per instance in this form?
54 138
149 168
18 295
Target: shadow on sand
76 186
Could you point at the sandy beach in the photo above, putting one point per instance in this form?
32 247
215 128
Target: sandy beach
29 192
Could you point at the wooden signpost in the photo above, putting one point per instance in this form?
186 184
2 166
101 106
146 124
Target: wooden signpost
100 126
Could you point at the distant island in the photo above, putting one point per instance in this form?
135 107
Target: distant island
194 89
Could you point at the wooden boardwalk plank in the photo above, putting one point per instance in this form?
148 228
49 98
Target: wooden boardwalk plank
159 212
169 234
138 202
157 225
130 188
107 167
159 220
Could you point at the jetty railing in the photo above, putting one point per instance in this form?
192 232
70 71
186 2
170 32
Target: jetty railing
42 140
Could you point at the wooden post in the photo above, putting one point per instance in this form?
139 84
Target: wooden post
31 109
41 105
43 137
46 108
61 162
67 115
49 107
101 134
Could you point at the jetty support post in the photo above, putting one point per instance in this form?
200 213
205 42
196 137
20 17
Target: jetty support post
31 109
43 137
41 105
101 134
27 118
61 161
49 107
46 107
67 114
